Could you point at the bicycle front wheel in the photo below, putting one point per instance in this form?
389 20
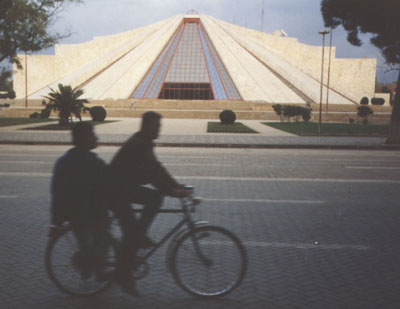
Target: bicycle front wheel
62 266
209 261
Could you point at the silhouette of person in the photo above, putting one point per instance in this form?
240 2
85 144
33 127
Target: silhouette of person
134 166
76 178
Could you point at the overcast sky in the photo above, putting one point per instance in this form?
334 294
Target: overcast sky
298 18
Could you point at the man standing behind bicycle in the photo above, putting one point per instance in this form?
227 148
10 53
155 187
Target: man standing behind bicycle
134 166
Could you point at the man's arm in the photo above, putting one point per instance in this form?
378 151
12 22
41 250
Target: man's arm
166 183
57 217
59 193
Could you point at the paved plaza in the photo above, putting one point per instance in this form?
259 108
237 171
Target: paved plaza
193 133
320 226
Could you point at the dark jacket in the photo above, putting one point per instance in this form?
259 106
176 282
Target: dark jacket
76 178
135 164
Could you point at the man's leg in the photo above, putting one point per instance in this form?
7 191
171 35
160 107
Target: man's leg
126 255
81 257
151 200
100 245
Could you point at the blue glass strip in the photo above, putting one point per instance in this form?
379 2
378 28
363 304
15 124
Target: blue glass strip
219 92
155 86
144 84
232 92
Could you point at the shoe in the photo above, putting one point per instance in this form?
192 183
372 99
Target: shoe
146 243
80 264
103 276
85 275
127 285
130 290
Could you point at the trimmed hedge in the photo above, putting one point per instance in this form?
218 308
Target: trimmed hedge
227 116
364 112
364 101
290 111
98 113
377 101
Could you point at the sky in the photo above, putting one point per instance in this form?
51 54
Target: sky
298 18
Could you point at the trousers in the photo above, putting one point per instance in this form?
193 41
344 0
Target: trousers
133 228
92 245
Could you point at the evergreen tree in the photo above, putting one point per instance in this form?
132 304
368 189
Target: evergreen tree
24 26
381 18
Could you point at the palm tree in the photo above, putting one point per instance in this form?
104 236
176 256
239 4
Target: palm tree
65 100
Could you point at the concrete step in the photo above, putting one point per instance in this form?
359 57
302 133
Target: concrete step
257 113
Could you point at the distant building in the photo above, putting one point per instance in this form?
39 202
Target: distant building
197 57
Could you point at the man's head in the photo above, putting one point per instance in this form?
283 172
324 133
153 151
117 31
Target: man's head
151 123
83 136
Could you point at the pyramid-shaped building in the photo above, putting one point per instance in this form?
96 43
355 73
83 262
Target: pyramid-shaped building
197 57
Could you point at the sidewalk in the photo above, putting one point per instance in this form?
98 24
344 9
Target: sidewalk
192 133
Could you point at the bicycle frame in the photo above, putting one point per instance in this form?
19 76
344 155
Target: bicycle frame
188 206
197 235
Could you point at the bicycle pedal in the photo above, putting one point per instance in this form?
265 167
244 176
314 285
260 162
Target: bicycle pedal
197 200
85 275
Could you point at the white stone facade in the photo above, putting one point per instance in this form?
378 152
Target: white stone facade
263 67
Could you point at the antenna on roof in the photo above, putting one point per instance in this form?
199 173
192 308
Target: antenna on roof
262 17
192 12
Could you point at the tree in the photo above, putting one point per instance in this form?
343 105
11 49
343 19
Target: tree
363 112
381 18
5 80
24 26
66 101
386 89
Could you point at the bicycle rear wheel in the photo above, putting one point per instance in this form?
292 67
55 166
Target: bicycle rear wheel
62 266
209 261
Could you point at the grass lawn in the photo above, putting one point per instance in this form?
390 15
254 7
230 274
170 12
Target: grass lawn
56 127
331 129
5 122
237 127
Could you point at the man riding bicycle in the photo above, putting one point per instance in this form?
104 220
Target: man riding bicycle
134 166
74 187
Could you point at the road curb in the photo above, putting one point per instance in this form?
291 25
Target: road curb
225 145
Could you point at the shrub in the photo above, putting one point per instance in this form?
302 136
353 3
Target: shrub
34 115
364 112
11 94
227 116
45 113
364 101
98 113
298 111
278 110
306 114
377 101
288 111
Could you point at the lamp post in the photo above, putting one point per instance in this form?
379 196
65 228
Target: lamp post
26 81
329 71
323 32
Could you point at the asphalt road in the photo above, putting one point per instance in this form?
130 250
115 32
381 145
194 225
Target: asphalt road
321 227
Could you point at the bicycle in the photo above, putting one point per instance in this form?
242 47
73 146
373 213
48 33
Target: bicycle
204 260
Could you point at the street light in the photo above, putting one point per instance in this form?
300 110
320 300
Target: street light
323 32
329 70
26 81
